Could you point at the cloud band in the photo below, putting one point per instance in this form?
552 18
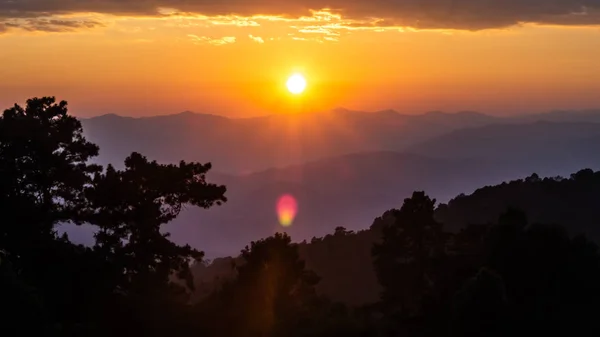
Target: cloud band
423 14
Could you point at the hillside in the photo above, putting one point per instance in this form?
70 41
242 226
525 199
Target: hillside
570 202
343 258
549 148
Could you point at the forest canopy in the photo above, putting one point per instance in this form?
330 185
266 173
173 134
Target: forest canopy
508 260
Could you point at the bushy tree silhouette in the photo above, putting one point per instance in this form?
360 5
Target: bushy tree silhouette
43 170
405 260
130 206
19 301
516 274
569 202
272 294
545 272
46 179
481 306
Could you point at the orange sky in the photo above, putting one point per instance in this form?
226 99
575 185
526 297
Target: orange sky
143 61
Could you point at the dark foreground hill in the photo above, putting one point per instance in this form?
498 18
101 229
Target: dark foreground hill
513 277
343 258
571 202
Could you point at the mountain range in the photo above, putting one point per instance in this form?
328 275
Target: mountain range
343 167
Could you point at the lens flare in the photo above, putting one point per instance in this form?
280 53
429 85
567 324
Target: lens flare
287 207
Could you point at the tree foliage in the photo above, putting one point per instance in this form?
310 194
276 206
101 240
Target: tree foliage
130 207
46 179
570 202
272 293
511 267
43 171
405 260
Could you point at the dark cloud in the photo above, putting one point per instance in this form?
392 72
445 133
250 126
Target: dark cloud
59 25
458 14
48 25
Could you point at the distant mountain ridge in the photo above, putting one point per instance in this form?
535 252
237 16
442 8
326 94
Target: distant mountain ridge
252 144
549 148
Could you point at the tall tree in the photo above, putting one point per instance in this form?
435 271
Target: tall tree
405 259
131 206
43 170
45 180
272 294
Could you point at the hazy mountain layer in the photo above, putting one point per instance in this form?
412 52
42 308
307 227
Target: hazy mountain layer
307 156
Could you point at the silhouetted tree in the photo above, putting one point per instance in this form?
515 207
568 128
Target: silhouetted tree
571 203
129 208
405 260
545 272
516 274
43 170
480 307
272 294
342 231
345 264
19 301
121 285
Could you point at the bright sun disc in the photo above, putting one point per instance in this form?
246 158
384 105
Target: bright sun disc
296 84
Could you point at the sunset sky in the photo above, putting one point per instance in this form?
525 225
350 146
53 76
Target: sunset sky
233 57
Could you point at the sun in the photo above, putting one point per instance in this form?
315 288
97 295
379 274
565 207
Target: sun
296 84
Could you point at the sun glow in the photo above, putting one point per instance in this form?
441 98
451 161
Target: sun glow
296 84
